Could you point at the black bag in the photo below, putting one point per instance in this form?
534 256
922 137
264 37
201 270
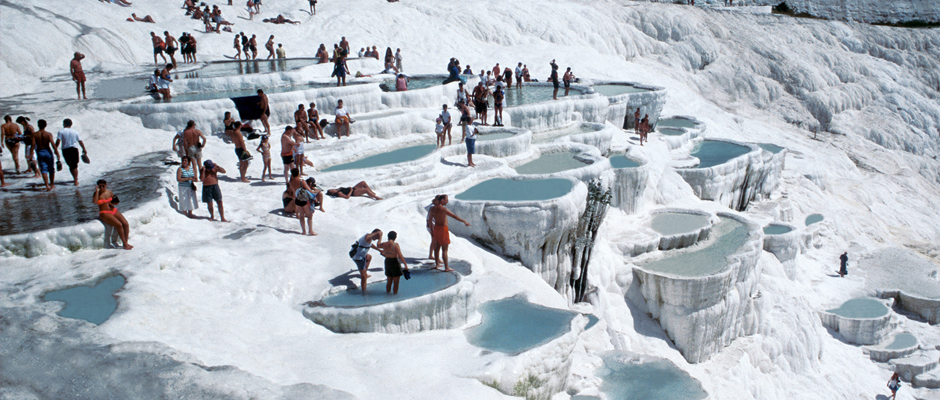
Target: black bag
354 249
324 123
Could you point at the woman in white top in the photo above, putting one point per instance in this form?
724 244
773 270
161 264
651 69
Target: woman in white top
186 177
342 120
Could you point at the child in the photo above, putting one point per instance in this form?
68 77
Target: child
394 262
439 129
265 149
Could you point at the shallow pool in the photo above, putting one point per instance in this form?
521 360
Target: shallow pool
549 163
861 308
181 98
671 132
66 205
715 152
514 325
121 88
705 258
776 229
576 129
494 136
631 378
770 147
620 160
370 116
94 304
615 89
674 223
234 67
415 83
422 282
902 340
511 190
814 218
531 94
676 122
392 157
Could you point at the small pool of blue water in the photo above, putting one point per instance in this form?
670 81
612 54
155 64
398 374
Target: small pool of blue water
770 147
531 94
494 136
415 83
629 378
676 123
614 89
814 218
576 129
392 157
592 320
675 223
715 152
228 94
671 132
513 325
94 304
511 190
775 229
232 68
422 282
706 258
549 163
861 308
377 115
620 160
902 340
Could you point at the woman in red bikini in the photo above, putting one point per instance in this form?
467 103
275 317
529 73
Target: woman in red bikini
108 212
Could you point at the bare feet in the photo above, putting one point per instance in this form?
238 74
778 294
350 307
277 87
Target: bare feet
127 246
224 220
312 233
448 269
245 180
6 184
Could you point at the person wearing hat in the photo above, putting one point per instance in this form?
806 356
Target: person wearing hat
210 188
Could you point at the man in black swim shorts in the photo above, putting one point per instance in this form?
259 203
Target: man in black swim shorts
313 7
554 78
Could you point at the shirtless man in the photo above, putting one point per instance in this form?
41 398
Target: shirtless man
265 110
519 76
45 145
553 78
287 151
439 230
270 46
235 133
75 68
479 100
146 18
567 78
171 46
210 188
194 141
636 121
29 140
163 83
313 116
300 118
343 44
158 47
11 138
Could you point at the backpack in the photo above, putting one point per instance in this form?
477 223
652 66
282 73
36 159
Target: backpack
354 249
302 194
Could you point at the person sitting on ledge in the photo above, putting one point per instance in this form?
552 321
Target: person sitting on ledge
134 17
280 20
361 189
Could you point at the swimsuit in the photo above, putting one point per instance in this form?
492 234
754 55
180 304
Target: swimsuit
392 268
211 192
287 158
106 201
345 191
44 157
194 152
71 157
242 155
440 234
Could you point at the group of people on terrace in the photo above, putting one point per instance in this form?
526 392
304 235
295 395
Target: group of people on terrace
40 145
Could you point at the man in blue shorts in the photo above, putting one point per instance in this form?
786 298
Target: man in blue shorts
44 148
471 144
362 258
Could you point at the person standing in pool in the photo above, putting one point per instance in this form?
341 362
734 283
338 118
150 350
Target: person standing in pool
394 262
45 145
844 268
498 96
342 120
253 46
398 61
566 79
281 53
238 47
75 68
265 108
210 188
12 138
519 76
108 212
465 120
194 141
171 46
29 140
440 232
235 134
69 140
158 47
480 94
446 120
554 79
430 226
362 258
471 142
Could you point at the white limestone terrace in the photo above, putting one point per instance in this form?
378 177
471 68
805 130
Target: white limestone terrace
735 182
624 102
917 289
664 229
864 321
629 185
866 10
678 136
900 345
561 159
599 135
500 141
785 241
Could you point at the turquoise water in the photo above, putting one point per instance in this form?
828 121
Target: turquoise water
861 308
902 340
90 303
617 89
547 136
416 83
592 320
704 260
422 282
670 223
530 94
713 152
549 163
671 132
770 147
620 160
231 68
775 229
180 98
510 190
812 219
656 379
366 117
514 325
676 123
494 136
393 157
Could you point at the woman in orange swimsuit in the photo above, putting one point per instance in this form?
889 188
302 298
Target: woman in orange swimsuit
108 213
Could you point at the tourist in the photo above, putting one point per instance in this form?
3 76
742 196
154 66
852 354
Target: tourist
430 225
265 108
466 71
210 188
186 178
525 73
194 141
394 262
507 77
343 119
108 212
644 129
158 47
29 141
298 152
288 199
322 55
362 52
462 94
339 66
498 96
287 150
163 83
519 76
471 144
465 120
12 136
398 60
302 198
894 384
146 18
245 47
439 131
844 268
636 121
445 119
68 140
235 134
566 79
313 7
361 256
179 145
253 46
313 119
316 193
171 46
479 100
270 47
238 48
343 44
497 71
453 73
360 189
75 68
375 52
300 118
45 146
490 81
280 20
554 79
439 230
265 149
281 53
401 83
192 49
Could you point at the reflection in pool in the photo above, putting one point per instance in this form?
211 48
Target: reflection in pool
674 223
522 190
90 303
715 152
531 94
861 308
549 163
814 218
620 160
647 378
230 68
711 258
393 157
676 122
514 325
